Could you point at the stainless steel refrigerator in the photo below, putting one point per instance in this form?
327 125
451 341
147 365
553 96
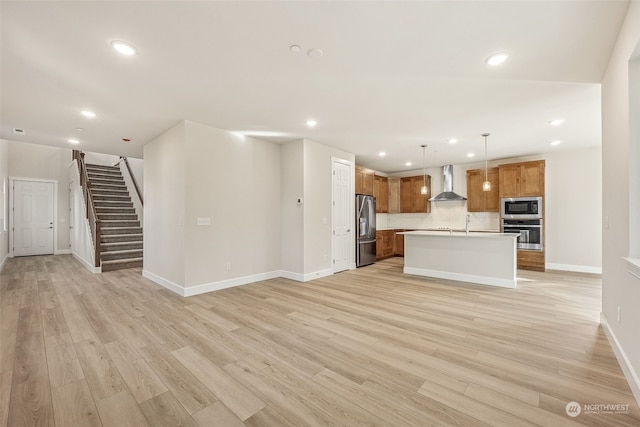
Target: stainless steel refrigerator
366 230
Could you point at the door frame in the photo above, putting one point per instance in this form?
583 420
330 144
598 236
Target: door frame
352 212
12 180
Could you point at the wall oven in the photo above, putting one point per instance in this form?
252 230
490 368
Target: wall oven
521 208
529 232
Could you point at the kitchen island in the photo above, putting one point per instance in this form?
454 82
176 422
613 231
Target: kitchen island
476 257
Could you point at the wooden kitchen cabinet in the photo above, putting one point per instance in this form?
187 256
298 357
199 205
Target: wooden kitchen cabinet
483 201
385 240
522 179
531 260
381 193
364 180
399 243
411 200
394 195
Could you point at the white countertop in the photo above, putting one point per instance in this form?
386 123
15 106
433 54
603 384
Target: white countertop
458 233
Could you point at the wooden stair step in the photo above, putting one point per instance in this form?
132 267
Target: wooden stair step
103 167
111 197
121 264
120 230
117 216
119 238
120 254
115 223
120 246
115 210
113 203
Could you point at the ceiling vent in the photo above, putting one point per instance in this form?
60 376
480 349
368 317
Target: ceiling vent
17 131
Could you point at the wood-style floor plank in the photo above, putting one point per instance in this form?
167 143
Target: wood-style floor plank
236 397
120 410
371 346
73 405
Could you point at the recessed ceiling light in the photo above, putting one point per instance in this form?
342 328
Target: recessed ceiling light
88 114
452 141
470 154
497 58
555 142
73 141
80 129
123 48
408 164
556 122
382 154
295 48
315 53
311 123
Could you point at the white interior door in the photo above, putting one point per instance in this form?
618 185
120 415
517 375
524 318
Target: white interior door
342 216
32 218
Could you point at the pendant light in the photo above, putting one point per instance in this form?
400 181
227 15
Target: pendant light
424 190
486 185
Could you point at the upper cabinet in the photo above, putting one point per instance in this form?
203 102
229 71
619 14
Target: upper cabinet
483 201
364 180
394 195
411 199
522 179
381 193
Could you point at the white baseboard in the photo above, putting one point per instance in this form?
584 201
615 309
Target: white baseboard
237 281
629 373
298 277
574 268
317 274
224 284
503 283
3 261
174 287
62 252
292 276
87 264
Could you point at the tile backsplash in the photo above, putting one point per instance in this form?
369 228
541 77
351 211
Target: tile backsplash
443 214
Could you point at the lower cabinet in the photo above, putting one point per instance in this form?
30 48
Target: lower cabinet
399 248
531 260
384 243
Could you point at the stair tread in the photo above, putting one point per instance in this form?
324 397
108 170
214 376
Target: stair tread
122 260
123 251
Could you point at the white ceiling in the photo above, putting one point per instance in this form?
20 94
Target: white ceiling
394 75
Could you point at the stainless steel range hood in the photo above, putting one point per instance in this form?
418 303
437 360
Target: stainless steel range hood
447 194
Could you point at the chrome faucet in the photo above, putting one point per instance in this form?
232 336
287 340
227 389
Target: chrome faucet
466 228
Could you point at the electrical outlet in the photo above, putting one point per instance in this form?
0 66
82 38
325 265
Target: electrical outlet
227 266
619 314
204 221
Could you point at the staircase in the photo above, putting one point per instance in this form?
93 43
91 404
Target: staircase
120 231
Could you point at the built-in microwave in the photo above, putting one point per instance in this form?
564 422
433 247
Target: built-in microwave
521 207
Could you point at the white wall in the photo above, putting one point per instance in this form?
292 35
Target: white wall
4 201
619 288
292 214
164 208
318 169
51 163
235 181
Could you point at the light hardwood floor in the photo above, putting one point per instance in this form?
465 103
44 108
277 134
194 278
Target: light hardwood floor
366 347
